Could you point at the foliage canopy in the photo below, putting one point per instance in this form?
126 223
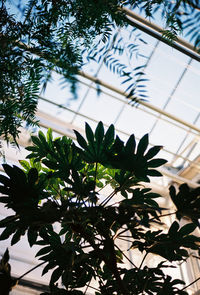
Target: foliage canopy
64 182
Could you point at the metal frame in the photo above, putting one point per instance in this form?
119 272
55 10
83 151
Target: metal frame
156 31
144 103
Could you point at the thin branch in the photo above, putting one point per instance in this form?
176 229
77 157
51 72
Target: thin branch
126 240
190 284
103 187
30 270
88 286
106 200
168 214
163 215
84 247
131 262
123 231
124 236
197 257
143 259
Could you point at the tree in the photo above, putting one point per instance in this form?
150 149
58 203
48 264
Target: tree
47 35
63 182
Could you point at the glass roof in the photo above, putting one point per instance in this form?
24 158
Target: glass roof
169 113
170 116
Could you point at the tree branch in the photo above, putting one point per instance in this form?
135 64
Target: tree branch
143 259
190 284
30 270
163 215
131 262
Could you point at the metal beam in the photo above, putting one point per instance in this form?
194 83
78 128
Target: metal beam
155 31
144 103
145 110
178 178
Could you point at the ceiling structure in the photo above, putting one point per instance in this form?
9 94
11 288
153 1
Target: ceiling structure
170 113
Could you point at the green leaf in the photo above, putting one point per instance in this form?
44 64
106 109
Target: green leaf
9 170
172 191
173 229
15 173
130 145
32 236
142 145
4 190
80 140
4 199
43 140
109 136
99 133
8 231
5 180
43 251
57 273
187 229
49 136
50 265
6 221
51 164
5 257
36 141
16 237
32 176
156 163
153 172
89 134
32 148
183 252
25 164
153 152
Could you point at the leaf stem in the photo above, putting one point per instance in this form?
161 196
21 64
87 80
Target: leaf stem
163 215
106 200
88 286
30 270
123 239
143 259
131 262
190 284
95 174
118 234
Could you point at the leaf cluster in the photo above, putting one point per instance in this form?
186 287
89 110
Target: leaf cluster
64 37
64 182
152 281
187 202
170 245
